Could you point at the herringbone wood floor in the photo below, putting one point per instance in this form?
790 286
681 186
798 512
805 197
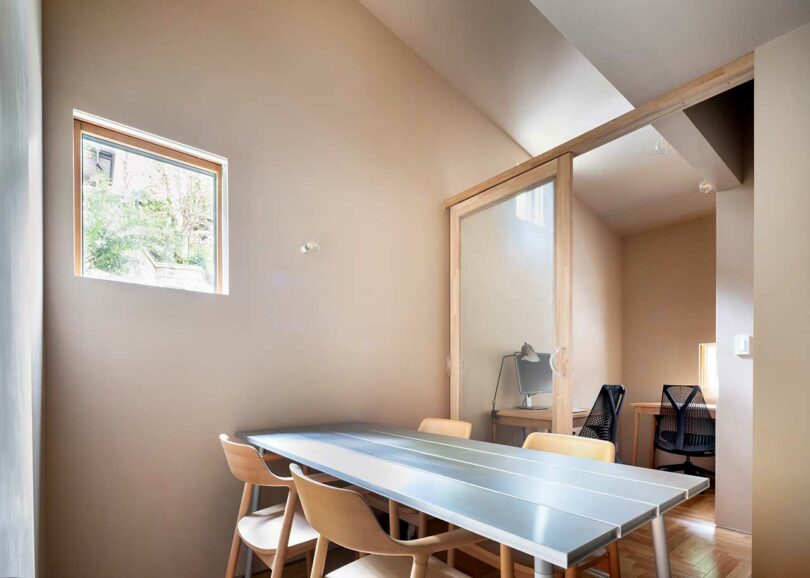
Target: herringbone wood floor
697 549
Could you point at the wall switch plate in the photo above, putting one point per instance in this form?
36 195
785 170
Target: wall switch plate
742 345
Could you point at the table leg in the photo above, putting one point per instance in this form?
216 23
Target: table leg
393 519
543 569
659 534
635 437
254 505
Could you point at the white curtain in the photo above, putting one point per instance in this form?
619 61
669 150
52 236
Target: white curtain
20 283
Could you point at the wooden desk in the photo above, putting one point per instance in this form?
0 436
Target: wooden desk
558 509
651 408
532 418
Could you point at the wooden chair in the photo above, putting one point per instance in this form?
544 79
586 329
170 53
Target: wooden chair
342 516
435 425
520 564
275 533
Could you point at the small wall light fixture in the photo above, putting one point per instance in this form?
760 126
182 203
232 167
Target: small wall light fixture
661 146
310 246
706 187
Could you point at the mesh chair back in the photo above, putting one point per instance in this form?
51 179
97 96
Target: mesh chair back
603 420
685 424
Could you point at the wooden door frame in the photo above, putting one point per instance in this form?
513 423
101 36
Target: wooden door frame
559 161
560 170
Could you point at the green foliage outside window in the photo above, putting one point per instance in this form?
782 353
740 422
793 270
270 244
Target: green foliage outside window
145 206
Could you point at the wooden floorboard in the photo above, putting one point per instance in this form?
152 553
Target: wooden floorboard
698 549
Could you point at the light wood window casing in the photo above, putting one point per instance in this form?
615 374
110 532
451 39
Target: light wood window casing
181 155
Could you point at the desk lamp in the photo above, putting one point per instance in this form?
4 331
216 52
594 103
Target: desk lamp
526 353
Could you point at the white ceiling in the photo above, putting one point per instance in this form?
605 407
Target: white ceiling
645 48
632 188
509 61
539 87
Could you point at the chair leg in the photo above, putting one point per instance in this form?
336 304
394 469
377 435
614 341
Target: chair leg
696 470
451 553
277 567
419 568
310 559
236 543
571 572
393 519
319 561
233 558
507 563
613 560
421 528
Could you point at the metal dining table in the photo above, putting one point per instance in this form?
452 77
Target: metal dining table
559 509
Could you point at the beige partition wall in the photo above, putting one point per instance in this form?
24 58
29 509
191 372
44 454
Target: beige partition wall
735 316
782 306
668 311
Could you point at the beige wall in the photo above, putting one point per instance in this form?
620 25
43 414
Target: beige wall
668 281
735 316
333 130
597 306
782 306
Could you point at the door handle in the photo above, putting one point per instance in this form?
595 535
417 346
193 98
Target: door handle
553 361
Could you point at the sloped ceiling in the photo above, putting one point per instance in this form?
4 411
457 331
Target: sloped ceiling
645 48
516 66
519 70
507 59
648 48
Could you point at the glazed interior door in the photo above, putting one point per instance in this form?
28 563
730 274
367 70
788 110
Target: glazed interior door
510 282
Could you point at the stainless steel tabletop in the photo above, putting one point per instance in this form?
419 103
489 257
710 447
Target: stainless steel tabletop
557 508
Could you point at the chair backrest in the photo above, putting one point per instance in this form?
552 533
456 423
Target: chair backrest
342 516
248 466
571 446
446 427
603 421
685 421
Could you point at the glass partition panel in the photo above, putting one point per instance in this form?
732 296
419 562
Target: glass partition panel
507 300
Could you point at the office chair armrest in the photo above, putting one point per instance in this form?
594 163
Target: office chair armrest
445 541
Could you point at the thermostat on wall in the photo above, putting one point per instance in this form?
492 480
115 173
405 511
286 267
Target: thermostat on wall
742 345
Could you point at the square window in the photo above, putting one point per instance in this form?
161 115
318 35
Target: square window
146 212
708 371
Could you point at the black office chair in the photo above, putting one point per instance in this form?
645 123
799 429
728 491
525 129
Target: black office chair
685 427
603 420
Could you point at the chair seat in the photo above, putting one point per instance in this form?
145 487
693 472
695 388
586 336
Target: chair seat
260 531
693 444
375 566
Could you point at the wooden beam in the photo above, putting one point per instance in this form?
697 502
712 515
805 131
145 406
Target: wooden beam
719 80
562 418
